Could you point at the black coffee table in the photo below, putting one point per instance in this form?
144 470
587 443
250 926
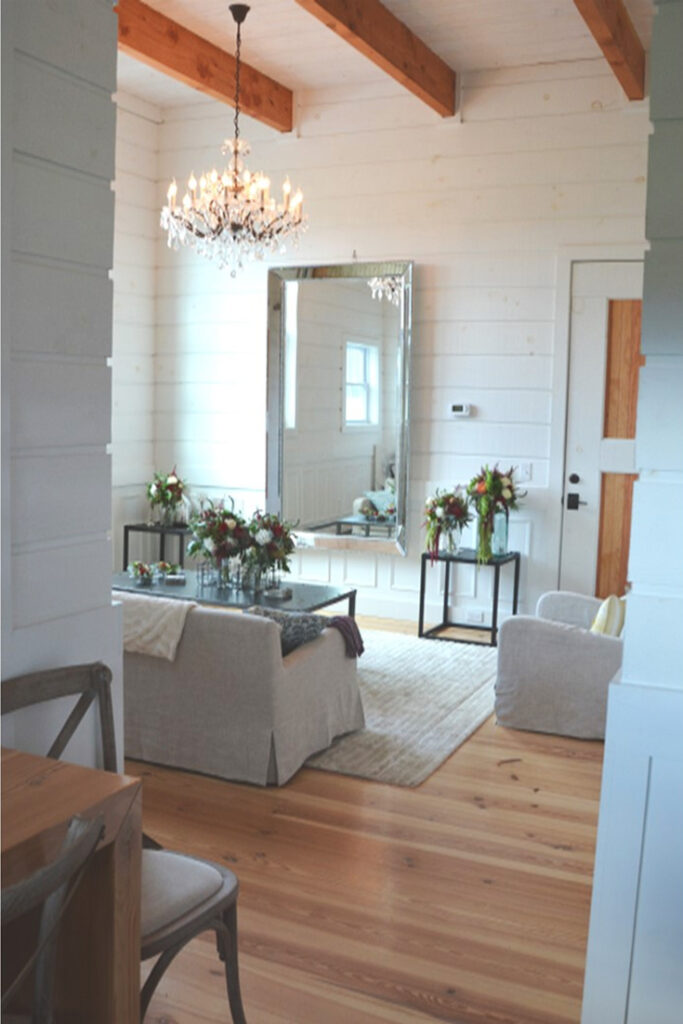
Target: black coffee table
306 597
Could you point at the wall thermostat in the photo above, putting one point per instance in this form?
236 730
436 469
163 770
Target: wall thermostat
459 409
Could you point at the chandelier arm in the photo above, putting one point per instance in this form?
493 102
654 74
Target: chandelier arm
190 226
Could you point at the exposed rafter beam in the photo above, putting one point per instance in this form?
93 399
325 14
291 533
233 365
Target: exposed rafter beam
379 35
155 39
614 33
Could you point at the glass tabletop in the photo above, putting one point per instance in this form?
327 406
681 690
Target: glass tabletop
305 597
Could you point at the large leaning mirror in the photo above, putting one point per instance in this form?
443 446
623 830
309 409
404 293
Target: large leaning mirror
338 388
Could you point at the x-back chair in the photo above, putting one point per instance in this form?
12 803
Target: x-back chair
51 888
182 896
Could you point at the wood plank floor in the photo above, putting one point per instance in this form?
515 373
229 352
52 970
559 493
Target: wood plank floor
463 900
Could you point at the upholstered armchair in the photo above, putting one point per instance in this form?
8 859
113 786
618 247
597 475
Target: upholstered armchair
553 673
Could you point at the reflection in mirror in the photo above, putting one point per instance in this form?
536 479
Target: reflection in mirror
338 356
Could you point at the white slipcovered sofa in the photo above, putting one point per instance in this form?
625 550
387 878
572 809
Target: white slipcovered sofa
553 673
230 705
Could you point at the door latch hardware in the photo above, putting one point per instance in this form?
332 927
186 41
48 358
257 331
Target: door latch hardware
573 501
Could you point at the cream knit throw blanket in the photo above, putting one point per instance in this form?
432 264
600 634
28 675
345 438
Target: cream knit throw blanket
153 625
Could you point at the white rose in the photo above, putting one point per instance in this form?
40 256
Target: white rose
209 545
507 493
439 513
506 481
231 523
171 479
263 537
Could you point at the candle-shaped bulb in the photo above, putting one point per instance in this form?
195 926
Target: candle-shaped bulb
172 192
202 183
187 202
214 176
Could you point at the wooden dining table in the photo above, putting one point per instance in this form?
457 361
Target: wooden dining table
98 966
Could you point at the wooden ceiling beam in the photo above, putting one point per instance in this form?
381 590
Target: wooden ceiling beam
371 28
614 33
168 46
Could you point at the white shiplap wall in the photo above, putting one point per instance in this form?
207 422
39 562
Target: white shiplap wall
136 238
542 159
327 466
58 66
633 970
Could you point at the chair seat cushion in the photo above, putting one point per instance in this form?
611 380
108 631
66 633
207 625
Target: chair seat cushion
172 885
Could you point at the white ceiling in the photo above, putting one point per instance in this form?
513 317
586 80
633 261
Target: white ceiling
282 40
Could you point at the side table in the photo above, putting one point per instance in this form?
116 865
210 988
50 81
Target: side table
468 556
179 531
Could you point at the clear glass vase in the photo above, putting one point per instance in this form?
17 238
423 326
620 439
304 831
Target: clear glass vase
253 577
499 538
484 536
492 536
449 541
273 577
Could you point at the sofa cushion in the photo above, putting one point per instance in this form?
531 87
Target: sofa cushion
610 616
384 501
297 628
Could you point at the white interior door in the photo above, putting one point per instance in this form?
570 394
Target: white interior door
587 453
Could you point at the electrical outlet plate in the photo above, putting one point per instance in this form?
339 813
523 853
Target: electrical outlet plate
523 473
458 409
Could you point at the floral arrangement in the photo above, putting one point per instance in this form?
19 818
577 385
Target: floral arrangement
272 541
166 490
218 533
446 512
167 568
141 571
492 491
376 515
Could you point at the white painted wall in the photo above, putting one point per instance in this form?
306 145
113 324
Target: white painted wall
545 159
327 465
58 64
136 239
633 973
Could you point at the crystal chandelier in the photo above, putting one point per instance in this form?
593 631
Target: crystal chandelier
230 216
389 287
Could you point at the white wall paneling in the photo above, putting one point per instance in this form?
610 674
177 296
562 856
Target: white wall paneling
58 64
636 929
134 370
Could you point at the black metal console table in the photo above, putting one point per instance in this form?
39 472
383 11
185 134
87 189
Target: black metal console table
163 531
467 556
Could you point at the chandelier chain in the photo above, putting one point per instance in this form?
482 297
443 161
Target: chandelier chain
236 120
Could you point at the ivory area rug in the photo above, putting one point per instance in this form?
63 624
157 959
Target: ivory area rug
422 699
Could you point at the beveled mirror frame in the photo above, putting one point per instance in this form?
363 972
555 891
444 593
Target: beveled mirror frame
277 280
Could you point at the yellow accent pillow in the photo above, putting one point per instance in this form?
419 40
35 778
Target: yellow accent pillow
610 617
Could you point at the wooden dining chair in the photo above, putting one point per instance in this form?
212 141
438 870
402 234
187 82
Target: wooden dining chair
182 896
51 887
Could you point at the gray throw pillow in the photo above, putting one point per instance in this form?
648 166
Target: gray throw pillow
297 628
